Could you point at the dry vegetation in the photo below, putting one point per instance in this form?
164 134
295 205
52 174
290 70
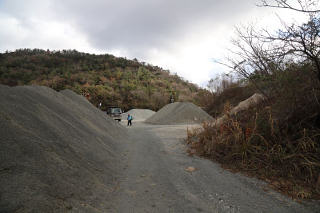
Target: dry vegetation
279 139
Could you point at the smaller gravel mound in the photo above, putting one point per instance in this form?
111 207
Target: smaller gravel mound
139 114
179 113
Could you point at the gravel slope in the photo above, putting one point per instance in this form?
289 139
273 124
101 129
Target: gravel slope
179 113
58 152
139 114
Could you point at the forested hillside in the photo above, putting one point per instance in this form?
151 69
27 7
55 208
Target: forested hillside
101 78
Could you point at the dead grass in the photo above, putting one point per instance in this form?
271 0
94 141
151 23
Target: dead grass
254 143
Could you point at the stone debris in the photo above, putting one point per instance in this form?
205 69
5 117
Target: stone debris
190 169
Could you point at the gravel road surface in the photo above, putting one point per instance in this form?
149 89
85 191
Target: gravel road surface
155 179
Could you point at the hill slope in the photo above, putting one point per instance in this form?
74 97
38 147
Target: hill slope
101 78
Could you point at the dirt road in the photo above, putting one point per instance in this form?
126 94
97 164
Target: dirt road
154 179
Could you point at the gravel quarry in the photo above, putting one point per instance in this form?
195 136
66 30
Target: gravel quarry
59 153
179 113
139 114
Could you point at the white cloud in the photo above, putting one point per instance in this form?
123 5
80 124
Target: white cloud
40 34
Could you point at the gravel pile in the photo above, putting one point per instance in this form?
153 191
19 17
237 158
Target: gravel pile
58 152
139 114
179 113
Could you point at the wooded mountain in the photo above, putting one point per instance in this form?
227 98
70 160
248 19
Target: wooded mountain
101 78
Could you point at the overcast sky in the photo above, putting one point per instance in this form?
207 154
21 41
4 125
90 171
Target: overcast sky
184 36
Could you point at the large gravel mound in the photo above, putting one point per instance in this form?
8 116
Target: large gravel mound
139 114
58 152
179 113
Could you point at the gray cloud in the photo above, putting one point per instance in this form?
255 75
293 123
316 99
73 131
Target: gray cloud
133 26
142 24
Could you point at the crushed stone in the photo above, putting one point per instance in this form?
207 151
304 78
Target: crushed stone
179 113
57 151
138 114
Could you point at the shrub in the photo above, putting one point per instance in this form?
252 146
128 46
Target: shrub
278 141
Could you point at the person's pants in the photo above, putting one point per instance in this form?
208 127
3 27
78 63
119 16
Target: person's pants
129 122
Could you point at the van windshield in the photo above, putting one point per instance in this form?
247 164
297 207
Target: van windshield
115 111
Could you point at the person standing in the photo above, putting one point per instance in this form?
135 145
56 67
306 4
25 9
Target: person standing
129 118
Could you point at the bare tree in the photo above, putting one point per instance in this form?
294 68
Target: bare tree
301 41
266 53
222 82
252 55
306 6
